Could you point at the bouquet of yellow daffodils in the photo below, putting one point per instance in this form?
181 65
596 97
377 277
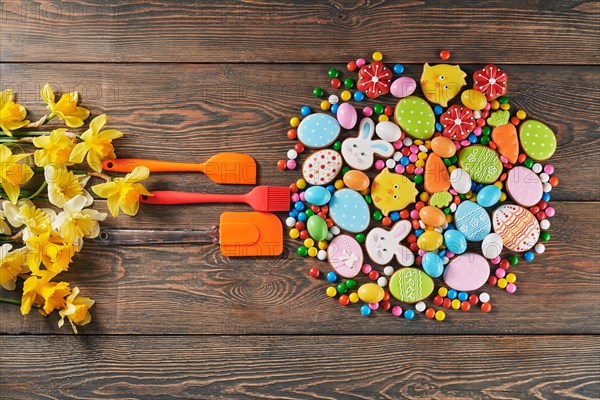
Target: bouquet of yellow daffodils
42 228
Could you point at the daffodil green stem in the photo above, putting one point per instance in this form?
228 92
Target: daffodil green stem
41 188
30 133
75 171
15 302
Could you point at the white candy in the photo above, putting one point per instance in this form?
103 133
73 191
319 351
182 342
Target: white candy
544 177
397 156
537 168
390 163
422 224
547 187
439 229
484 297
389 270
445 260
290 221
333 99
491 246
322 255
329 236
453 207
382 281
335 230
477 114
292 154
407 141
544 224
540 248
423 148
420 306
445 223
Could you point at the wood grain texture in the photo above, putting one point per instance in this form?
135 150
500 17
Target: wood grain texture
283 367
193 289
494 31
229 107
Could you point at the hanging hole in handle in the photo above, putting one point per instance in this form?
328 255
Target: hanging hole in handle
109 165
103 235
144 197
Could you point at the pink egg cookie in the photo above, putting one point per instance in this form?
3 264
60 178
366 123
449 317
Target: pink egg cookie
468 271
345 256
524 186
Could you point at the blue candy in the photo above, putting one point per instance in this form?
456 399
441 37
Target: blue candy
489 195
302 217
395 216
463 296
432 264
299 205
365 310
398 68
455 241
529 256
438 110
452 294
334 108
409 314
332 276
359 96
305 111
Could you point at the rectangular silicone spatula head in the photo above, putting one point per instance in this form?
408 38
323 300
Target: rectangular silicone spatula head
250 234
231 168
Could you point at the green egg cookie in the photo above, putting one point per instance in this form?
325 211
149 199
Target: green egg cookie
415 117
481 163
537 140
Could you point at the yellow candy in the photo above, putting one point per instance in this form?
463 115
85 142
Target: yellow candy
331 291
377 56
325 105
353 297
449 218
456 304
521 115
339 184
294 233
440 315
443 291
473 99
511 278
383 117
422 155
418 142
469 194
451 168
294 122
323 244
502 283
312 252
424 196
301 183
420 163
495 104
503 196
505 107
499 184
346 95
428 144
371 293
309 242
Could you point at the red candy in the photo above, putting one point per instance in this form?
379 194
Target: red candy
314 272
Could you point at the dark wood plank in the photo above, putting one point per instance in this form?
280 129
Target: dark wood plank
497 31
320 367
193 289
189 112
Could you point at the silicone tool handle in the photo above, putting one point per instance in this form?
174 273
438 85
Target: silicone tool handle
141 237
128 164
172 197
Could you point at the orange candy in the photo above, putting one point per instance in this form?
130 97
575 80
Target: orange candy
443 147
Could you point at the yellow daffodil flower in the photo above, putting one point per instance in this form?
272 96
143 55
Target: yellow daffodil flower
63 185
50 249
54 149
4 228
13 174
75 223
76 310
12 115
124 193
36 220
66 108
12 263
96 144
39 290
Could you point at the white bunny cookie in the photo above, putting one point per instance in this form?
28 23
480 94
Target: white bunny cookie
382 245
358 152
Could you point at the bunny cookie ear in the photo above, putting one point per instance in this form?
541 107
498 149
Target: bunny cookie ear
401 230
382 148
366 129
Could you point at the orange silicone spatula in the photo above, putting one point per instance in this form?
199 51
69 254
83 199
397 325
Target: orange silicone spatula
228 168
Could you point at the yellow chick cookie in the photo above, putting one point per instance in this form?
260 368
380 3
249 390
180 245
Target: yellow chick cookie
392 192
440 83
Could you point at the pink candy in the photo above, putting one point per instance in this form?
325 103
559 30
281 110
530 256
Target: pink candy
549 169
367 111
361 62
379 164
550 212
396 311
291 164
366 268
511 288
399 169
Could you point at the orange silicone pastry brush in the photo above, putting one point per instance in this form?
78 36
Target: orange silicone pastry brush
227 168
261 198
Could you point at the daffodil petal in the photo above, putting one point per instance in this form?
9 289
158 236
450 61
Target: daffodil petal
139 173
94 161
105 190
6 96
113 204
110 134
98 122
78 153
48 94
12 191
73 122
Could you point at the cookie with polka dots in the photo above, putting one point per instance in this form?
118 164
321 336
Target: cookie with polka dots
415 116
537 140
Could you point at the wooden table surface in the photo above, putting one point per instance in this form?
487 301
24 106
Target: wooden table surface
185 80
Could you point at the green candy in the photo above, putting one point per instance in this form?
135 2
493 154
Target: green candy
502 100
529 163
378 108
485 131
415 117
360 238
418 179
342 288
345 169
377 215
368 199
309 213
481 163
318 92
545 236
349 83
333 73
317 227
337 146
350 284
498 118
537 140
302 251
513 260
